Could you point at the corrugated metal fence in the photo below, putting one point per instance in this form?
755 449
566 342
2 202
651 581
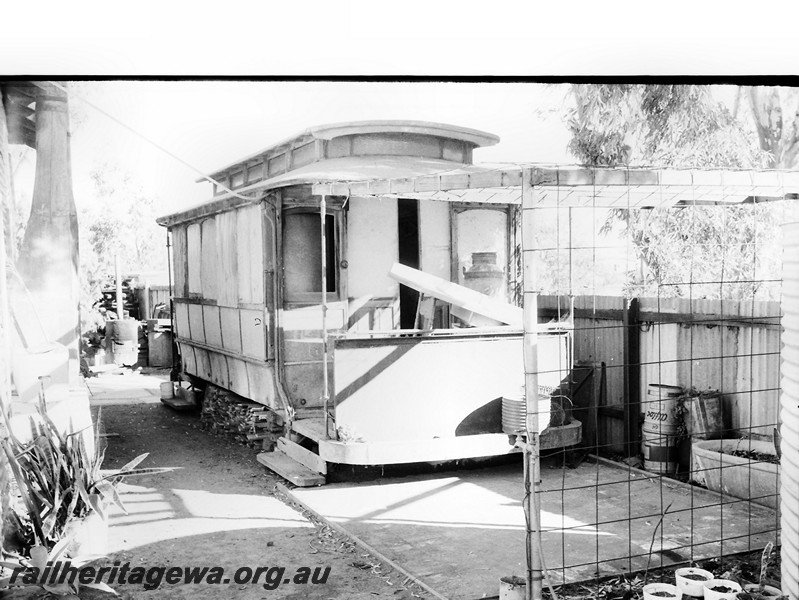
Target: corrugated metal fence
724 345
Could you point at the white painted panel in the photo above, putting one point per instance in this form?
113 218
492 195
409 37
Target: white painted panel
424 388
434 238
372 247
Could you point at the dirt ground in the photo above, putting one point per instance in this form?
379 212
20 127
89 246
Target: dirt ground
221 509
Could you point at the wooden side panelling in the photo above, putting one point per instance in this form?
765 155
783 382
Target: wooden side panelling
226 234
209 263
249 251
261 383
237 372
213 328
179 258
182 320
203 364
193 252
253 333
189 360
231 329
196 323
219 370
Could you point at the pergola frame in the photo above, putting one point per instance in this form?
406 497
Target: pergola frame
535 187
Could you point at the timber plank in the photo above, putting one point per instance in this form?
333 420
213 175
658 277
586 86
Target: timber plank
313 428
302 455
290 469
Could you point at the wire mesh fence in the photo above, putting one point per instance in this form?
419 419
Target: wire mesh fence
675 316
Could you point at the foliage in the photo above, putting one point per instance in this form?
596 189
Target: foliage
685 251
119 221
60 480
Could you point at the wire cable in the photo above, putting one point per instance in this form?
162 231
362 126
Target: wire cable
151 142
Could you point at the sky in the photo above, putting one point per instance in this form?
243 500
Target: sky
209 124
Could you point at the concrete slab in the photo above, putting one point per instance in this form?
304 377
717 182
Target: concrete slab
125 387
459 532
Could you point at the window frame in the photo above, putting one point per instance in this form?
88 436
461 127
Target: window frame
338 226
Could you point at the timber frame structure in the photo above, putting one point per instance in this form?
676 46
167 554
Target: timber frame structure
307 279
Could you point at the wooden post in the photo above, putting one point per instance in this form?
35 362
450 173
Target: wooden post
48 259
532 450
632 377
325 385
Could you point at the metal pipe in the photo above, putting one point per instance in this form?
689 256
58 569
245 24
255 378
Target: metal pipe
280 378
175 366
532 449
325 390
118 282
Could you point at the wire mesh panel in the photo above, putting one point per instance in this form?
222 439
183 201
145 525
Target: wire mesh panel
676 334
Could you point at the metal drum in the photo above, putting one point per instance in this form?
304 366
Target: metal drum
660 428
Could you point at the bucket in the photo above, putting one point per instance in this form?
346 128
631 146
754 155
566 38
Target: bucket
661 591
721 589
690 581
661 423
126 330
167 390
512 588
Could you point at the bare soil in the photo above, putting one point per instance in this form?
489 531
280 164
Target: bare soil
756 456
225 471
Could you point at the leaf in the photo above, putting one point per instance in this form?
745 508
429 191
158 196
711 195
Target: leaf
96 502
103 587
110 494
39 557
60 589
23 484
135 462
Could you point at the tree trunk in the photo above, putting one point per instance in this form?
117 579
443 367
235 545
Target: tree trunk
48 258
776 134
5 342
